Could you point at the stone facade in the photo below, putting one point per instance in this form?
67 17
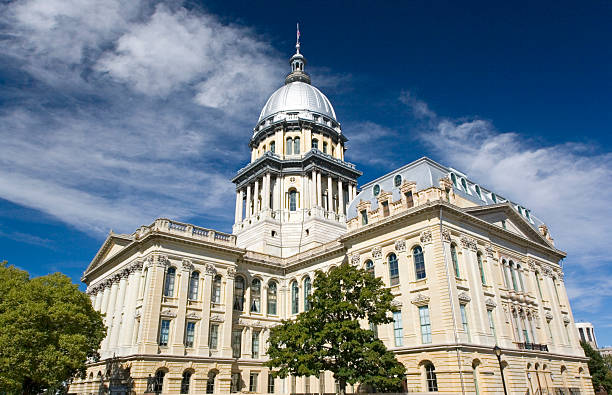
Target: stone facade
469 270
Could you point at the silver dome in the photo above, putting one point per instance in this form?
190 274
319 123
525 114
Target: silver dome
298 96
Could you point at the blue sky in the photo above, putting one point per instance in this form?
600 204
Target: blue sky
113 113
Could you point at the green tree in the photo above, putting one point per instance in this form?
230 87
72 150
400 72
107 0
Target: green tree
48 331
600 372
329 337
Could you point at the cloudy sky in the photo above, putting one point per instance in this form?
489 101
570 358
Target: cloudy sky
116 112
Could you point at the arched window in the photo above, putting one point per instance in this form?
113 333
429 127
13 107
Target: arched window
307 289
520 277
272 288
194 281
289 146
393 269
430 377
369 266
216 289
239 294
169 285
273 146
481 268
475 376
494 197
210 382
296 146
454 179
315 144
453 249
513 274
158 384
324 147
478 191
185 382
295 298
537 278
419 262
292 200
464 184
256 295
397 180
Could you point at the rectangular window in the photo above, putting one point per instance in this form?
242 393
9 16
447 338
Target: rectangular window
425 324
270 384
189 333
491 323
409 200
307 384
253 382
464 321
398 330
164 332
255 345
385 206
374 328
364 217
236 343
213 337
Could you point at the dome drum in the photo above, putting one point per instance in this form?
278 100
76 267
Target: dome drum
321 127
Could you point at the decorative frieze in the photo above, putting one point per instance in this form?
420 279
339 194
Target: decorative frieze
464 297
163 261
420 300
426 236
400 245
216 318
168 313
468 243
193 316
377 253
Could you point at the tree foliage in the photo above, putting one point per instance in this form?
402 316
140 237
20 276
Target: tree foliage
600 372
329 336
48 331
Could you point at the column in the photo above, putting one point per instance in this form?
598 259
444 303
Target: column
118 311
209 276
330 194
303 192
340 198
281 193
99 296
246 342
127 328
225 343
319 192
313 189
256 198
152 305
354 191
178 343
238 213
248 202
109 316
266 192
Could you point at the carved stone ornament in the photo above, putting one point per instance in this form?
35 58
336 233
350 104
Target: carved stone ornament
377 253
490 303
193 316
216 318
396 303
464 297
210 269
426 236
355 259
420 300
548 316
532 264
560 275
168 313
400 245
136 266
546 271
187 265
489 251
163 261
231 272
566 320
446 236
465 242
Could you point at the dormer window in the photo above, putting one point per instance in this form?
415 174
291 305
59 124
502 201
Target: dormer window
464 185
385 206
494 197
409 199
315 144
397 180
273 147
324 147
454 179
478 191
364 217
376 190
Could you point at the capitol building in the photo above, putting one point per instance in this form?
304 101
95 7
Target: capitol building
188 310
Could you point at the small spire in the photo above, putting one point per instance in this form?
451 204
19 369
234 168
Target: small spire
297 43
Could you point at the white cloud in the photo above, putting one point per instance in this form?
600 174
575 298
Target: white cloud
567 185
119 120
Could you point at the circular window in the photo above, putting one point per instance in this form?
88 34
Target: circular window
397 181
376 189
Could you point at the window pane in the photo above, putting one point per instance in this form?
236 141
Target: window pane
398 330
289 147
306 293
294 298
189 334
169 285
256 296
236 343
455 260
213 337
193 285
296 145
216 292
239 294
255 345
425 324
272 298
393 269
419 263
164 332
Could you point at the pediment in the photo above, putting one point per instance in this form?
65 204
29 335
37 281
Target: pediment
504 216
113 244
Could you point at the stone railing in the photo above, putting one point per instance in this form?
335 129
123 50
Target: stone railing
183 229
532 346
